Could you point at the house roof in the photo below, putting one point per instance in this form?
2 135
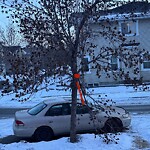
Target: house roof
12 48
132 10
134 7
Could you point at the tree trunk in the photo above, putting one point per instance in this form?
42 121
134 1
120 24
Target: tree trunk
73 137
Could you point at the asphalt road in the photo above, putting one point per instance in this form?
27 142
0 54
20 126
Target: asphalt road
9 112
137 108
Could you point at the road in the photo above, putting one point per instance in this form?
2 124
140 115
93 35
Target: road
9 112
137 108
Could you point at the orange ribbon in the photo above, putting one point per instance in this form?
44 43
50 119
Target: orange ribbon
77 76
80 92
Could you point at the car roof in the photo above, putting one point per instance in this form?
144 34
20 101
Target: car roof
52 101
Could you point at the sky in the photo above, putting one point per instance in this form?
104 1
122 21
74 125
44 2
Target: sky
3 20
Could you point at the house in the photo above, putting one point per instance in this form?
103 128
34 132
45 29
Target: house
17 60
132 21
7 54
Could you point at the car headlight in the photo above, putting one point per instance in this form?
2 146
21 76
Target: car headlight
126 115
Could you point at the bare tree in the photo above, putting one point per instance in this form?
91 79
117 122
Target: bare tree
64 25
10 35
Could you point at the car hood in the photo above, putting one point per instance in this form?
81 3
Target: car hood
114 109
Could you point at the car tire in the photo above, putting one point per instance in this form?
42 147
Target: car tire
113 125
43 134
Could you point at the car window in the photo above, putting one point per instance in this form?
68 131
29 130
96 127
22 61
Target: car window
36 109
59 110
82 109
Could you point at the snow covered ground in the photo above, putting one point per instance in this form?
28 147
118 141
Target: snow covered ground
119 94
136 138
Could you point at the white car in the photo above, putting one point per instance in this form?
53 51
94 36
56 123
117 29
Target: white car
52 117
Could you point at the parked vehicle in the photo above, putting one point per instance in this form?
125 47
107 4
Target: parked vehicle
52 117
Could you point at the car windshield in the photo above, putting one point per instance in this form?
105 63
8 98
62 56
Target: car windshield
36 109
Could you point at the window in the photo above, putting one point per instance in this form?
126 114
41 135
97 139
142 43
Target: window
125 28
146 62
82 109
129 28
59 110
37 109
2 68
114 63
85 64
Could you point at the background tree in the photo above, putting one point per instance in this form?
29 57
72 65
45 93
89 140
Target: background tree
10 36
64 25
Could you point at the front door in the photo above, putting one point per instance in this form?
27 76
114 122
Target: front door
84 119
58 118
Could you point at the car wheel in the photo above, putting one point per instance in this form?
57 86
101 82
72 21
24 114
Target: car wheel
113 125
43 134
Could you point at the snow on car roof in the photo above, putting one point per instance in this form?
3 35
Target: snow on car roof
58 100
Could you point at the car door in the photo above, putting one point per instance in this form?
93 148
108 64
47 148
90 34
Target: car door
58 118
84 119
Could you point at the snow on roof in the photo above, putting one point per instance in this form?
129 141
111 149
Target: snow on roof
128 11
124 16
132 10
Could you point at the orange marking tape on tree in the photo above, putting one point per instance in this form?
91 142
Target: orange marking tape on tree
80 92
76 75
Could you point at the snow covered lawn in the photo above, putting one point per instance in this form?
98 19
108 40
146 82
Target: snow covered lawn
6 127
137 137
119 94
